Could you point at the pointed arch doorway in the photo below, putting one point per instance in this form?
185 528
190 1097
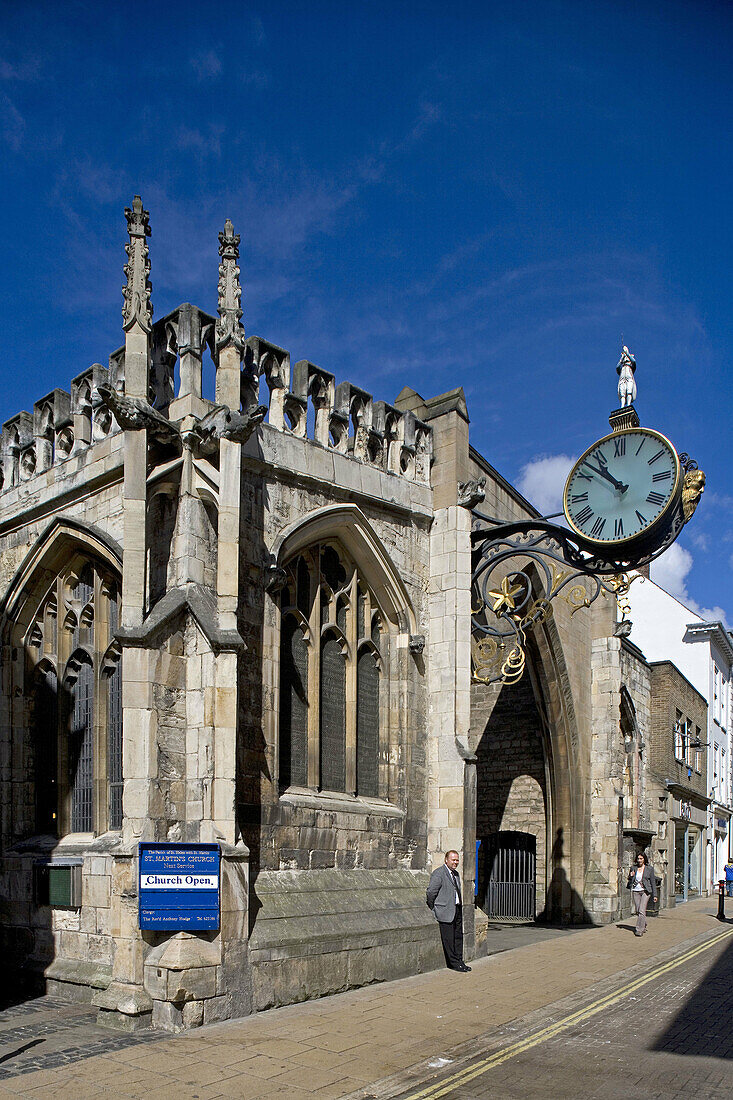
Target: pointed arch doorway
513 802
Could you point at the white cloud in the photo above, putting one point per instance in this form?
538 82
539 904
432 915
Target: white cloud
542 481
207 66
670 572
12 127
26 70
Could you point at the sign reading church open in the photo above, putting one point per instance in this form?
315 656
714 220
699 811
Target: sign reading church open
179 887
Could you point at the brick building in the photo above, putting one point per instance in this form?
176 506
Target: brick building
678 722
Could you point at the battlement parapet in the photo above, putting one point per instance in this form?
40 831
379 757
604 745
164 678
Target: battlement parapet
305 401
339 416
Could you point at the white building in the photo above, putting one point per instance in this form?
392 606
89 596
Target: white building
664 629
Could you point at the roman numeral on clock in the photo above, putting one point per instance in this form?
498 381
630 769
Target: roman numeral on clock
598 527
578 498
656 457
641 519
584 516
584 477
665 475
655 498
619 447
618 529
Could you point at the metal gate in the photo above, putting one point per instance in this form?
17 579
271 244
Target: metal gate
511 863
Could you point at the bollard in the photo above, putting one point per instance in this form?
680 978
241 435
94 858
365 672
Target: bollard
721 899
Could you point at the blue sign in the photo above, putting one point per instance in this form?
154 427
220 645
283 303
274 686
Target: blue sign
179 887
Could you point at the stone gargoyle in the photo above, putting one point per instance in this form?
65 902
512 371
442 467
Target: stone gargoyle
133 414
222 423
472 492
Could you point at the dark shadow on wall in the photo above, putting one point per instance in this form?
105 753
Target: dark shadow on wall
703 1027
254 774
564 904
27 943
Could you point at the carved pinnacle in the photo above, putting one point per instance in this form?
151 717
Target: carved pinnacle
137 307
228 328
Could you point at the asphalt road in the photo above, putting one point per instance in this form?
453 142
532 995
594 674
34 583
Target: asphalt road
666 1032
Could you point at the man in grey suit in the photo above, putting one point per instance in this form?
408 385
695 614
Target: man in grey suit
444 899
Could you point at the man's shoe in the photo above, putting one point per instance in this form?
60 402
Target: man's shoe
464 969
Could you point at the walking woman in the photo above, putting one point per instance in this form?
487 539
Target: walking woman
643 885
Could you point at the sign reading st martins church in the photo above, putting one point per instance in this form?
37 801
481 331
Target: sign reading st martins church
179 887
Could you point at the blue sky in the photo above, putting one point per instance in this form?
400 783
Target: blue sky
494 195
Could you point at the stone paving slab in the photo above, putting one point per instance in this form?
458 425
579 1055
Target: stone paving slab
336 1046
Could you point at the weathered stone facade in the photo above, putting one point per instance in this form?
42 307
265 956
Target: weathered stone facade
247 622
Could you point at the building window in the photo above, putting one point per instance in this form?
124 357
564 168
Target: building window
679 749
723 776
76 703
331 641
687 736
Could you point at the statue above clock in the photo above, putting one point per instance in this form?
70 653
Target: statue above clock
627 491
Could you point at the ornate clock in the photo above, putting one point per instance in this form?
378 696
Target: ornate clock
624 490
625 501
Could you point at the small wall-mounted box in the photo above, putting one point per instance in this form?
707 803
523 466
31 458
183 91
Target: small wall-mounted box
58 883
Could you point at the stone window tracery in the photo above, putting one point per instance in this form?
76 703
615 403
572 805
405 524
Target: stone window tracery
331 642
74 679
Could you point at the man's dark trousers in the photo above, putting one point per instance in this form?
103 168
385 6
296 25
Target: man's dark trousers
451 935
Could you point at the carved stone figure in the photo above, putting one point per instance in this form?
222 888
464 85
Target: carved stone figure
626 385
222 423
692 489
133 414
471 493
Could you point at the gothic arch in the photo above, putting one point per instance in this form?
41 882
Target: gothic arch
567 779
58 620
63 540
530 775
348 524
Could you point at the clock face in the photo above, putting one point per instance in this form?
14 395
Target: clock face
622 486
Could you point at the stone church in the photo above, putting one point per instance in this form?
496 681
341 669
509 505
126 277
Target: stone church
247 621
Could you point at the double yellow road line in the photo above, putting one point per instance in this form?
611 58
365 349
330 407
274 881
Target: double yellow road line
450 1084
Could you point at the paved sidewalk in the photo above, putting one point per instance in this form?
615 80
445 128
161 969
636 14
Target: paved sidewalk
339 1045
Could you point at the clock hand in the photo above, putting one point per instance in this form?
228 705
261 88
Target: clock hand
604 472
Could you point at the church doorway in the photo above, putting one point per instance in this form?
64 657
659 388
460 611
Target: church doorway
512 801
511 870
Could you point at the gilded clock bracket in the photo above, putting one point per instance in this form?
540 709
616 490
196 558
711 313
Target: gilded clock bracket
519 568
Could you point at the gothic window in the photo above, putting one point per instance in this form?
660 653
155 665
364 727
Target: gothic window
76 702
81 742
330 675
45 721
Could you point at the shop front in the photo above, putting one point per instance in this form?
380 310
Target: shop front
688 867
719 843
